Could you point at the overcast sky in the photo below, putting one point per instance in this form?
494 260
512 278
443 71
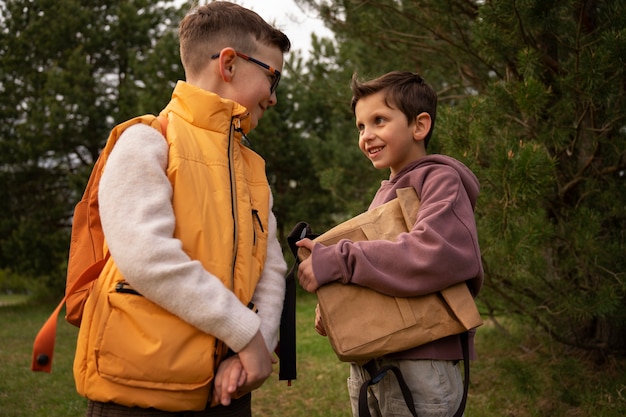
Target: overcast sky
288 17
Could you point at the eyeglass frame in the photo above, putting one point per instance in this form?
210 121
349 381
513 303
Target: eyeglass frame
271 69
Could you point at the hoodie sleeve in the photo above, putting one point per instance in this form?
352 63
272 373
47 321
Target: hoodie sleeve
441 249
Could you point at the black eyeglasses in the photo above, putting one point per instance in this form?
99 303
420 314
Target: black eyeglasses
276 74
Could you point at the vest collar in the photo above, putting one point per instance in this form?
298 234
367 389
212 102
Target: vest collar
207 110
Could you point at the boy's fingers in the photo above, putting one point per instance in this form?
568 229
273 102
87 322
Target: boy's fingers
306 242
237 376
242 378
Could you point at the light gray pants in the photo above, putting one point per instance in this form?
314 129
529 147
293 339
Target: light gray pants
436 386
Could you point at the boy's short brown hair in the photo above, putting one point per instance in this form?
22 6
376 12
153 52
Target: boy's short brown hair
404 90
209 28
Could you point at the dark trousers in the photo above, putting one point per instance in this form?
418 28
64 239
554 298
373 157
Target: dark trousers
241 407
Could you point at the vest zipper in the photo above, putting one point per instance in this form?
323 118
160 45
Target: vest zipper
233 196
125 288
255 215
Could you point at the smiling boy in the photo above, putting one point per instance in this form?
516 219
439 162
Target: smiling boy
395 117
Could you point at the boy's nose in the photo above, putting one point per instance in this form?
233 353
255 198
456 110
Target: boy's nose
273 99
367 134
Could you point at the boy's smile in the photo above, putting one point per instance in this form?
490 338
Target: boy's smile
373 151
385 136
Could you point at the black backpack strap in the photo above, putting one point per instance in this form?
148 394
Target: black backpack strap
376 375
286 349
300 231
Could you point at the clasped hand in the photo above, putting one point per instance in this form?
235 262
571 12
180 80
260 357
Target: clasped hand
242 373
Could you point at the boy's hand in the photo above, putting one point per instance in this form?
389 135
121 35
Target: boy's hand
240 374
319 324
305 270
257 363
229 377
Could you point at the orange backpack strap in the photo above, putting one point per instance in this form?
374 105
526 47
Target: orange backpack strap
163 122
43 347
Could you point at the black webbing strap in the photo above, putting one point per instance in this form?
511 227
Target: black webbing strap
286 349
466 371
376 375
375 378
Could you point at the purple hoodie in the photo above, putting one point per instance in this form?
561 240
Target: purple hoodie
441 249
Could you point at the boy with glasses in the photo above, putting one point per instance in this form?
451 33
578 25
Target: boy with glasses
395 117
185 315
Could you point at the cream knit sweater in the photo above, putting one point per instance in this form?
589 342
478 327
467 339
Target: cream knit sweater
138 222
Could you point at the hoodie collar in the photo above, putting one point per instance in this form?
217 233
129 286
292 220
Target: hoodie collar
468 178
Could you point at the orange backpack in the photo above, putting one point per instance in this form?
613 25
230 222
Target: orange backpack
86 257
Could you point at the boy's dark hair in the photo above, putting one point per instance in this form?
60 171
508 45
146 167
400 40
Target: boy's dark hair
209 28
404 90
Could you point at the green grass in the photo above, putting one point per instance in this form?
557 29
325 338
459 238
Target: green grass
13 299
516 375
27 393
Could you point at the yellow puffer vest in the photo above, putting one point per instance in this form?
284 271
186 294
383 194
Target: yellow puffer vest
132 352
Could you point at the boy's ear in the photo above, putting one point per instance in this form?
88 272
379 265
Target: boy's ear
421 126
226 63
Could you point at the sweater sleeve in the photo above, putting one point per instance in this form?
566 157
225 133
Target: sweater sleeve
439 251
270 291
138 223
